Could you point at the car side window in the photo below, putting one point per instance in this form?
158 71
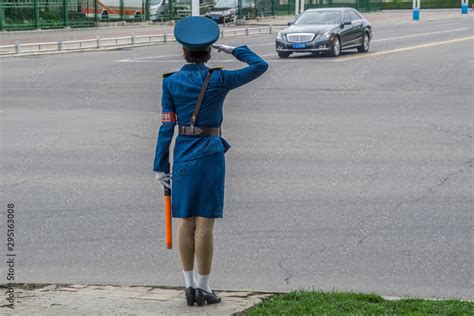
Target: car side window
346 16
354 16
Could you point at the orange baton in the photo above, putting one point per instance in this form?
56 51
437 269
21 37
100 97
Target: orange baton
169 234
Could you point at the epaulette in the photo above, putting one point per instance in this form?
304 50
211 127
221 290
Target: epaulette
166 75
217 68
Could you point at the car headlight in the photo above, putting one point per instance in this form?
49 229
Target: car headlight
326 35
281 36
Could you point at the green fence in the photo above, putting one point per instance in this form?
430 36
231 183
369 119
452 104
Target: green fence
287 7
42 14
425 4
36 14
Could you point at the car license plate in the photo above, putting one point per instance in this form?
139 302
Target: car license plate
298 45
215 17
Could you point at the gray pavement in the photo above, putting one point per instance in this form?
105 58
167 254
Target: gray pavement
352 173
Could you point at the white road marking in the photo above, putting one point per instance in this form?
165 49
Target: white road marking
268 55
215 61
152 61
219 61
160 56
418 34
449 25
181 55
403 49
144 59
385 31
297 60
258 45
446 21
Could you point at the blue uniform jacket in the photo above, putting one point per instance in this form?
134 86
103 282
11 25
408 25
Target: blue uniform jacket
180 92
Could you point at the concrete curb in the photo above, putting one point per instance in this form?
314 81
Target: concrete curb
87 299
29 286
98 27
82 50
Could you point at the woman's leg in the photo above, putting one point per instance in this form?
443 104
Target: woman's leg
186 244
204 249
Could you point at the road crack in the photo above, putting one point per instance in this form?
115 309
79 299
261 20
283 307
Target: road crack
445 131
289 275
28 180
446 179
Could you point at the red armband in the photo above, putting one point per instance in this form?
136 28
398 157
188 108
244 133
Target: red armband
168 117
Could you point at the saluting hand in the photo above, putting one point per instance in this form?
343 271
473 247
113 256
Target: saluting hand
224 48
164 178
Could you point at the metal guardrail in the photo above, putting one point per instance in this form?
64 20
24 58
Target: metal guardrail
134 40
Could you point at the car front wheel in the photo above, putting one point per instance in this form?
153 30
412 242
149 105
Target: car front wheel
283 54
365 44
336 47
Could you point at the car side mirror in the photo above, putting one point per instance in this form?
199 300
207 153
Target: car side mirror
290 23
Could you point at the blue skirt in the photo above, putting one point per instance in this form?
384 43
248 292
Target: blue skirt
198 187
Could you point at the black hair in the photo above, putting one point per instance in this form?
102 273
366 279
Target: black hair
197 56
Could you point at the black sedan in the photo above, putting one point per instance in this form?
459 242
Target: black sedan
325 31
224 11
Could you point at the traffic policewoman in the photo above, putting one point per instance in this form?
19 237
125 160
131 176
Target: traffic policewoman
192 98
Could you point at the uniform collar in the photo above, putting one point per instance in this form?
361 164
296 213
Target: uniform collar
191 66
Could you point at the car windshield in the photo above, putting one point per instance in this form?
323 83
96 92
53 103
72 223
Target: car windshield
323 17
225 4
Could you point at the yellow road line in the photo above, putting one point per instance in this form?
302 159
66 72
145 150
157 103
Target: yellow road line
404 49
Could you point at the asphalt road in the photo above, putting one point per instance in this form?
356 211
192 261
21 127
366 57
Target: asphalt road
352 173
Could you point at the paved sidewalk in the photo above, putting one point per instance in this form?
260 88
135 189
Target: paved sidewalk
73 34
36 36
79 299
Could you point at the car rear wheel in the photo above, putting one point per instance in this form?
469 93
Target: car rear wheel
365 44
336 47
283 54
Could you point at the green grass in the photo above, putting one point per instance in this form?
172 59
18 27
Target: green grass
335 303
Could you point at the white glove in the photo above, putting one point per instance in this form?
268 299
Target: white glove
224 48
164 178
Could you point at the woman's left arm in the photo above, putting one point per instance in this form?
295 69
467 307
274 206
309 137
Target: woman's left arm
166 131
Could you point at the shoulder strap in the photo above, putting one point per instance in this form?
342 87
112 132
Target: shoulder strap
201 97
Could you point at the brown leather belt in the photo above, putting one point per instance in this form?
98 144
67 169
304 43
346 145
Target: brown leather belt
200 131
193 130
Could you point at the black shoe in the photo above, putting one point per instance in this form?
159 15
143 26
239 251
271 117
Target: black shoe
190 296
204 296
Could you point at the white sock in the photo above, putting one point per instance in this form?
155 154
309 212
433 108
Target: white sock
203 282
189 279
